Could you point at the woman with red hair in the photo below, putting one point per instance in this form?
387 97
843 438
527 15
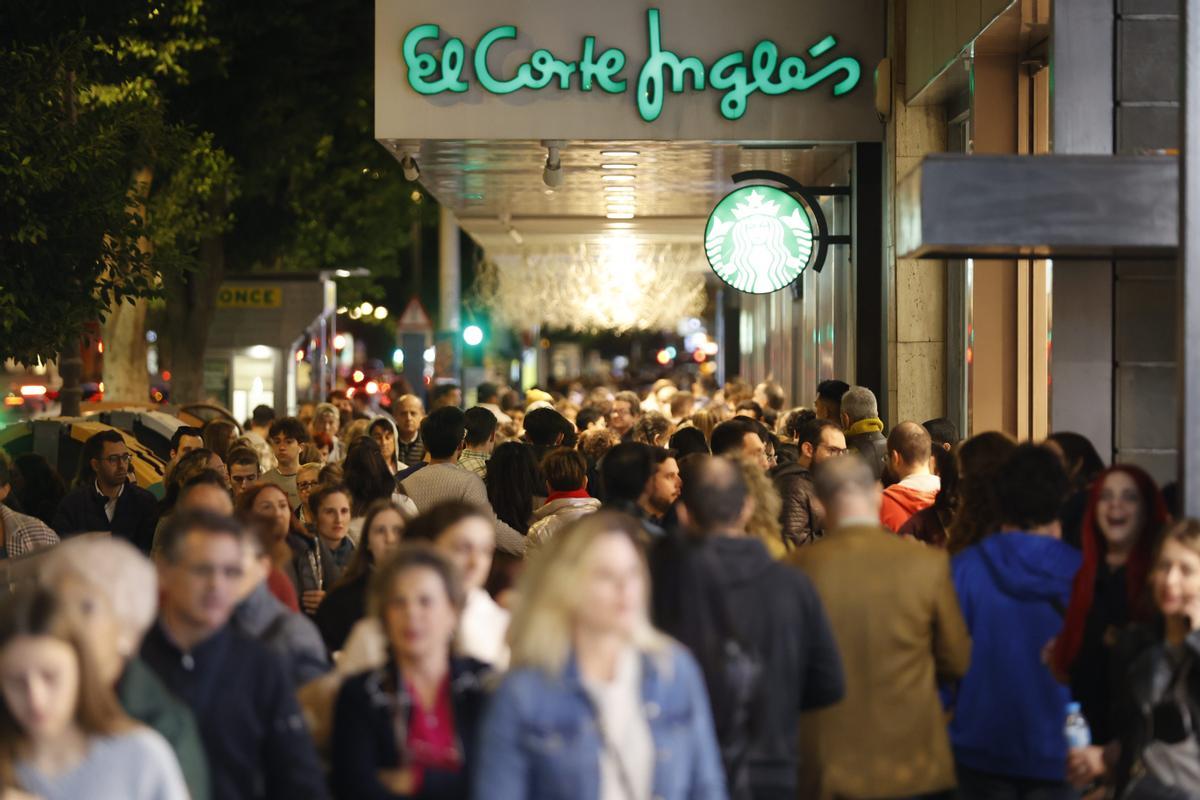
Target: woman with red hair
1123 519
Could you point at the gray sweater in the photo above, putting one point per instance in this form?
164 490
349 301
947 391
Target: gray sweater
440 483
138 765
294 637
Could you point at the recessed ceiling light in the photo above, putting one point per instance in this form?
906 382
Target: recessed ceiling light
619 153
619 216
618 178
618 166
620 189
621 209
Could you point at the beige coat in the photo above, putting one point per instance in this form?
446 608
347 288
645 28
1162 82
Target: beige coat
896 619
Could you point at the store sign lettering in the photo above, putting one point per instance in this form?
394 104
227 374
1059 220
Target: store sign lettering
735 74
250 297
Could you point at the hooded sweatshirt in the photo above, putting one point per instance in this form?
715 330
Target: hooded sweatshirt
1009 714
397 465
902 500
779 617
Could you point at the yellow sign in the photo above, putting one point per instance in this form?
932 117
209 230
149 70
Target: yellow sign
250 297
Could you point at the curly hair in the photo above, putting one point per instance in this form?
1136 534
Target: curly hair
980 459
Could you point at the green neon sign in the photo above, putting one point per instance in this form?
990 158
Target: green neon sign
735 74
758 239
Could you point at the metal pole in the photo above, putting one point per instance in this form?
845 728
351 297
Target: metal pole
449 285
1189 265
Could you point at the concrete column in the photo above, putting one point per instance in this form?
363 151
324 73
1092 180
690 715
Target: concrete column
914 291
1081 109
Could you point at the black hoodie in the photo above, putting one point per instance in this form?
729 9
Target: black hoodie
778 617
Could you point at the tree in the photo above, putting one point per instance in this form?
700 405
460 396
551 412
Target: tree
287 93
68 238
92 166
176 174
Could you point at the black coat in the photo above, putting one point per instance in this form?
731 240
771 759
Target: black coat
340 610
307 553
801 521
776 615
372 711
1143 660
136 515
254 734
872 446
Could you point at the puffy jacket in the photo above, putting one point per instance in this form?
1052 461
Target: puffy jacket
554 516
543 741
1009 712
801 521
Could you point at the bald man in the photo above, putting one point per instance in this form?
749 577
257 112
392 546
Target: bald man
910 454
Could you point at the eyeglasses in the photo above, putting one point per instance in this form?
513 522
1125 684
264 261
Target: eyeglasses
117 459
306 485
205 571
833 451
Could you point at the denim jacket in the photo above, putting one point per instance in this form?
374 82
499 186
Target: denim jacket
542 741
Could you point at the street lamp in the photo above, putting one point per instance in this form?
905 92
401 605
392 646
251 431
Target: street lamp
473 335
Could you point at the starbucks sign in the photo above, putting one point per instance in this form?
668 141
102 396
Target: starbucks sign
759 239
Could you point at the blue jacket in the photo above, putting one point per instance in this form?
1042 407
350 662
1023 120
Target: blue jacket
1009 714
542 741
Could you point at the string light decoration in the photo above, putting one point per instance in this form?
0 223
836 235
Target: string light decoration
615 286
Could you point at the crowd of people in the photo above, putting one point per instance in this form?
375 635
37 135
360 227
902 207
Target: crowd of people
685 593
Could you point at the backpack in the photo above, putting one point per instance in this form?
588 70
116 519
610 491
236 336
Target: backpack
689 604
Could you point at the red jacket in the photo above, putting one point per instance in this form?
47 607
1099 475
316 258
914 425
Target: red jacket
900 502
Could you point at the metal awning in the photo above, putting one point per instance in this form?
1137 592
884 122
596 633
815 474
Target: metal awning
1093 207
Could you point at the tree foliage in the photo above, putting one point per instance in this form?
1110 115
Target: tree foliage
68 240
82 112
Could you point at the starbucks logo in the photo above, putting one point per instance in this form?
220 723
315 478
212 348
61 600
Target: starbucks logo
758 239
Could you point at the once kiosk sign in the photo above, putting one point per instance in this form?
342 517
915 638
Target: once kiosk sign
249 297
758 239
702 70
737 75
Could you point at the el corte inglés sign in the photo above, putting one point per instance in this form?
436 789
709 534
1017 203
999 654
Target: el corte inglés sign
435 67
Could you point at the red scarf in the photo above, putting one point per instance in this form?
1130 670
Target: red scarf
1066 649
575 494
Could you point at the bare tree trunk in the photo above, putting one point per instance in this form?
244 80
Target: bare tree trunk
70 368
126 378
191 301
70 363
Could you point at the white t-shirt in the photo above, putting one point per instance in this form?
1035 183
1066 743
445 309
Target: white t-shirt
482 630
628 752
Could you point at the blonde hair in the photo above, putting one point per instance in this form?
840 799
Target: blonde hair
355 431
543 622
1185 532
117 570
764 521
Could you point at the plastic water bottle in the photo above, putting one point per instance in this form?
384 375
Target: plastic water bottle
1076 730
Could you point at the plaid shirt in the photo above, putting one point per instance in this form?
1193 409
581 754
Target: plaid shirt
474 461
24 534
